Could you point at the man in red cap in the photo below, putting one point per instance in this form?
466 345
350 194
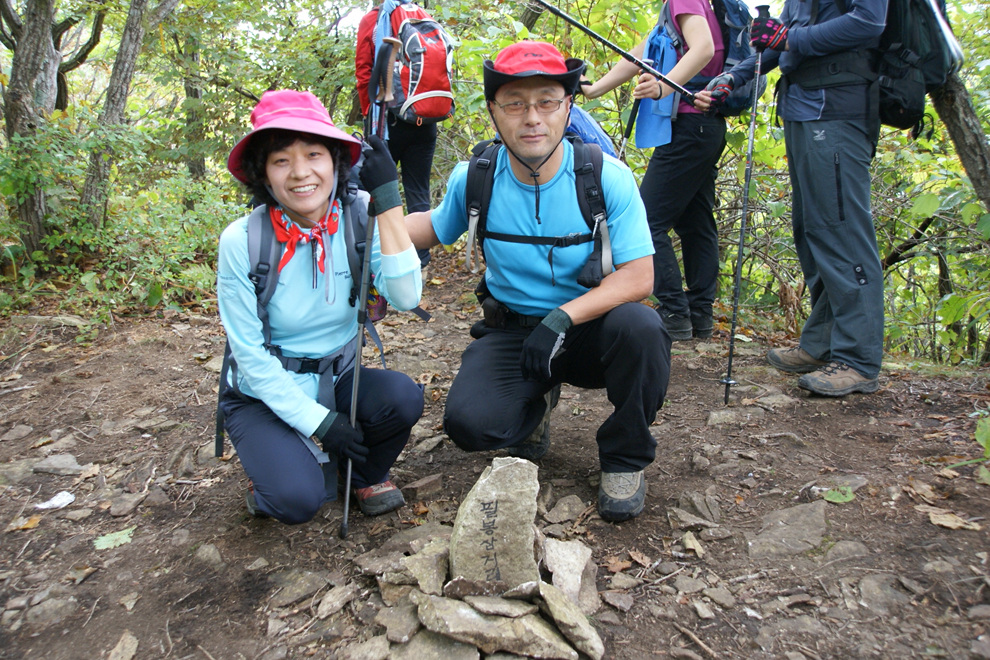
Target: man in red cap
542 328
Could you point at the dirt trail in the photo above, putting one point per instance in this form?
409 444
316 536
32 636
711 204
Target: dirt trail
194 577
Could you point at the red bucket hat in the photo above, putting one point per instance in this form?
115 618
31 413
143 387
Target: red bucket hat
295 111
531 58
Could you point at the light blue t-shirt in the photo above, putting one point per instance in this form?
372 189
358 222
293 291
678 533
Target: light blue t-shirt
306 321
519 275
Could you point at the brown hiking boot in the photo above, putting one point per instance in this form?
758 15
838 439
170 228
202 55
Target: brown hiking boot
837 379
793 360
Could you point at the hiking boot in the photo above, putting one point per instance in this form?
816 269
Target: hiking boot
678 326
536 445
701 327
621 495
252 503
378 499
837 379
793 360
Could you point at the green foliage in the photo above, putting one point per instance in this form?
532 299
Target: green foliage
840 495
200 75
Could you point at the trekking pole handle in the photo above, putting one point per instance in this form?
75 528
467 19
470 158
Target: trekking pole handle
629 57
386 94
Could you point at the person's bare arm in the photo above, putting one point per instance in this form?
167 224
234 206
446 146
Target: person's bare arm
392 233
701 49
420 228
631 281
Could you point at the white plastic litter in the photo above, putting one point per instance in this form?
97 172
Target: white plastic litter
62 499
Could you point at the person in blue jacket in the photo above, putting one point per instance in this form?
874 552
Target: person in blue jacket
541 327
287 410
829 101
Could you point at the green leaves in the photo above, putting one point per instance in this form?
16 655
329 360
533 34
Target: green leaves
840 495
925 205
114 539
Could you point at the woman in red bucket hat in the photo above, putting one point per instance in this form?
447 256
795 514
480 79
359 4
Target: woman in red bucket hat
287 400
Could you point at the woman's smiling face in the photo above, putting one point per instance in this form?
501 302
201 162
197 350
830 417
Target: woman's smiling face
301 177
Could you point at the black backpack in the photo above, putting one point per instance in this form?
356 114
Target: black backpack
917 53
264 252
591 200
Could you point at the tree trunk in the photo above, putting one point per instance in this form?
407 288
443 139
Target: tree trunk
531 14
955 108
29 100
94 195
195 131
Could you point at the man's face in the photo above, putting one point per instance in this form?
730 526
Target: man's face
532 135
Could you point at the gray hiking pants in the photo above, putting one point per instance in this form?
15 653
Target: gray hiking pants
829 164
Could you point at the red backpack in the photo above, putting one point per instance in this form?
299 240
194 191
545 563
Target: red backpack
422 82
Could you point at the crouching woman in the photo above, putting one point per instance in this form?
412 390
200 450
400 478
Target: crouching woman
288 398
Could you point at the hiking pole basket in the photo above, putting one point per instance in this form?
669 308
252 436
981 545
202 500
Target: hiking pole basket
629 57
763 11
382 99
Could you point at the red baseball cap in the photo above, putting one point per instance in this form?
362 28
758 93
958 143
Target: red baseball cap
526 59
294 111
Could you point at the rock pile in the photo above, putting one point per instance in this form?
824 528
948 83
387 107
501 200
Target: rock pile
455 593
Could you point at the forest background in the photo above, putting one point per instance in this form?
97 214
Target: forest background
118 118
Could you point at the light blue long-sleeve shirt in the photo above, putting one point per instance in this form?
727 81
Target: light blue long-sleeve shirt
306 321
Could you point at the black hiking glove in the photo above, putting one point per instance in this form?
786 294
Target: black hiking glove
379 176
720 87
768 33
337 435
543 345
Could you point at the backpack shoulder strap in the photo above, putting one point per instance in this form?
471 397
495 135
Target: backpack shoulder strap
263 255
355 228
478 195
263 252
588 161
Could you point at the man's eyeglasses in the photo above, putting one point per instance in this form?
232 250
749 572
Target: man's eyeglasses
518 108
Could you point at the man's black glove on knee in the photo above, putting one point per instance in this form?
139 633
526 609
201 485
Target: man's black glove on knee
543 345
379 176
337 435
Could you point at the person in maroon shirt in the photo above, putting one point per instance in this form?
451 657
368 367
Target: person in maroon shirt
678 188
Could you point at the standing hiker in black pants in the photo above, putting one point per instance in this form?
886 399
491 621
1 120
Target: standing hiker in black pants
411 146
678 188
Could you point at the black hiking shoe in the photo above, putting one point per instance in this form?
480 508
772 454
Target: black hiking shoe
678 326
536 445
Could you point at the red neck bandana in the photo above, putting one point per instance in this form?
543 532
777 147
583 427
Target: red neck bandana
291 234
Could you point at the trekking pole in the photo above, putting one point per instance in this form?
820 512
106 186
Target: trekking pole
629 125
383 97
380 84
763 11
629 57
629 129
